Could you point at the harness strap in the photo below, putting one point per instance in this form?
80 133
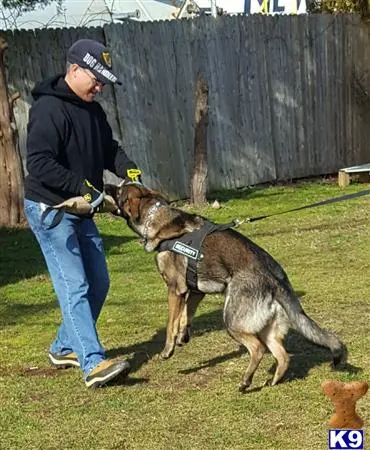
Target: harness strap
190 245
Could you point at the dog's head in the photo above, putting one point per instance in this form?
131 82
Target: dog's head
134 201
148 214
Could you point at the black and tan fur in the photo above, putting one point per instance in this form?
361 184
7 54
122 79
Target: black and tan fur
260 303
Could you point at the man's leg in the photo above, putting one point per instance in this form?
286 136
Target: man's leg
92 252
61 249
95 265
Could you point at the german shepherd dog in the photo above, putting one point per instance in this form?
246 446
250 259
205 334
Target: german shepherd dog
260 304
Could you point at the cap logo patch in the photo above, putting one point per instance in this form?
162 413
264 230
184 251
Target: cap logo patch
107 59
89 60
96 66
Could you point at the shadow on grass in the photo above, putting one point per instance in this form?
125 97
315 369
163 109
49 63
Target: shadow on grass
15 313
304 355
262 190
126 381
333 225
21 257
146 350
242 193
143 351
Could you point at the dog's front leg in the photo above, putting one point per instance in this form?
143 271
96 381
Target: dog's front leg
187 315
176 303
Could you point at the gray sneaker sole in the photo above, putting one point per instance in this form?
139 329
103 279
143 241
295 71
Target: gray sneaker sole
100 381
63 363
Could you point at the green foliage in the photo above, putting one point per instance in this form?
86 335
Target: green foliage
11 11
27 5
339 6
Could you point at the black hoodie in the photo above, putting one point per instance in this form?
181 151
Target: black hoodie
69 140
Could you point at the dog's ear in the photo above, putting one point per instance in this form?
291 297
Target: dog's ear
128 197
132 207
111 189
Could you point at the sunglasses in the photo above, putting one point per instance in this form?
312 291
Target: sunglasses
93 78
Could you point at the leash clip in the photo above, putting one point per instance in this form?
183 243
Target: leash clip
237 222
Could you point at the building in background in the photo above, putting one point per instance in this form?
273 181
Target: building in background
191 8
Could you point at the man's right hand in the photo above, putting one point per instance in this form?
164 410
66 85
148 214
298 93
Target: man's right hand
91 195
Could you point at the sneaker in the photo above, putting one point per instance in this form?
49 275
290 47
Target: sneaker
106 371
64 361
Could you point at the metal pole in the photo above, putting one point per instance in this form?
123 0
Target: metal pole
213 8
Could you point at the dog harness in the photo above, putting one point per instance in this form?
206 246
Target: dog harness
190 245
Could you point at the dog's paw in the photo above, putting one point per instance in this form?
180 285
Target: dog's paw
242 387
167 352
183 337
245 383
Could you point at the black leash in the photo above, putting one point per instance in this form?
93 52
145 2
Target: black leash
313 205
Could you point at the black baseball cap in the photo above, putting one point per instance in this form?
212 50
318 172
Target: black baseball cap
94 56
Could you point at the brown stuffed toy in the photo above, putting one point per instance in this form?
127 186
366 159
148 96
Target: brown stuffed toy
344 397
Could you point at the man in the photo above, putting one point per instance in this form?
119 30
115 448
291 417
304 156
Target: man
69 144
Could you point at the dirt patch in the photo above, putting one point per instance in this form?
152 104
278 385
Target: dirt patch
197 380
25 371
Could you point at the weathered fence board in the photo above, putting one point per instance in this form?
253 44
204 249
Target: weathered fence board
288 95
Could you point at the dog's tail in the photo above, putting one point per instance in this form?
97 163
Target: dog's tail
309 328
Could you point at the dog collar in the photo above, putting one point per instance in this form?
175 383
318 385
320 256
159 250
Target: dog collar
125 183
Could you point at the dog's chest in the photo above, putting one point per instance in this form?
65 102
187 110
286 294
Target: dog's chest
210 286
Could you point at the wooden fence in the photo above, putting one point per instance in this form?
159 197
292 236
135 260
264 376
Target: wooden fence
288 95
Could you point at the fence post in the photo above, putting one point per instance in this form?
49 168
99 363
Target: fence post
198 184
213 8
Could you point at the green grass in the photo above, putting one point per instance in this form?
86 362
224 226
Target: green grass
190 401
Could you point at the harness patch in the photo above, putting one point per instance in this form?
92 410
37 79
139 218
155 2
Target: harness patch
185 250
190 245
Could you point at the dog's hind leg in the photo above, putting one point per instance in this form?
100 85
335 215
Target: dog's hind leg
256 350
176 303
273 339
187 315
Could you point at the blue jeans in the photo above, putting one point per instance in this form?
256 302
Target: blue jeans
74 255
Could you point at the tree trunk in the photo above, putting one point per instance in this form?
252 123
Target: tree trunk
198 184
11 171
